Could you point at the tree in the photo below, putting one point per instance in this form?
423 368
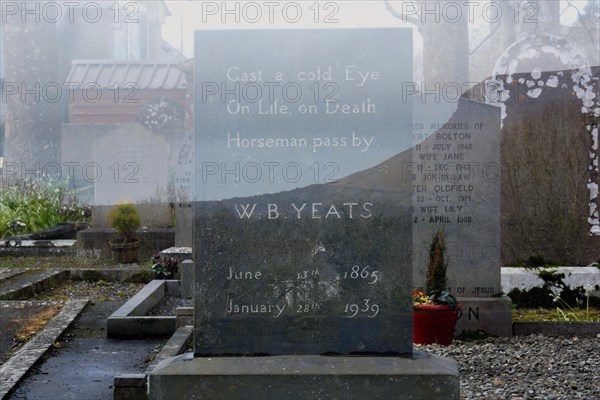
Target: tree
590 13
586 32
445 38
548 17
545 158
33 93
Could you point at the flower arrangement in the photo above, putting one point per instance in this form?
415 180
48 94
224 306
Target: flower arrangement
163 267
419 297
442 298
435 310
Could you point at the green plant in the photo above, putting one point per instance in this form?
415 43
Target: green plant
31 205
141 277
437 267
163 267
545 296
435 278
544 314
126 220
568 313
534 262
92 276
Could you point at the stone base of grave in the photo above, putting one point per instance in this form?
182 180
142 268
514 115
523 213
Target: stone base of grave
420 376
485 315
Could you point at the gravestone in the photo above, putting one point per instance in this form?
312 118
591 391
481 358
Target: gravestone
456 174
128 164
183 165
302 244
183 225
287 264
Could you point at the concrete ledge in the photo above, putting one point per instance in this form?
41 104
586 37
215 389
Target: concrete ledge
96 240
187 279
423 376
13 370
558 328
110 275
140 327
27 288
143 301
174 347
130 320
6 274
154 215
41 243
526 279
485 315
134 386
173 287
17 247
179 253
184 316
26 283
130 387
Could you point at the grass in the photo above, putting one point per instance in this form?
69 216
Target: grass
35 323
94 291
65 262
543 314
30 206
25 327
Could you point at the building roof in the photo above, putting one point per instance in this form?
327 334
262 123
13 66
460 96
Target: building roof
145 74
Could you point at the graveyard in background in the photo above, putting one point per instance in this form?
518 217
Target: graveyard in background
299 226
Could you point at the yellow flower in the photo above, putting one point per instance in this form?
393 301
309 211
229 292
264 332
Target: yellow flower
419 297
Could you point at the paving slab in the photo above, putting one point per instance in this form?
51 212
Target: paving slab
7 273
27 284
19 247
420 376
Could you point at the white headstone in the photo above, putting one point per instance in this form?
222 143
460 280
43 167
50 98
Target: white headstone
131 165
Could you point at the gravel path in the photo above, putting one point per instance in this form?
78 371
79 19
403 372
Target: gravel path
98 291
84 362
168 304
526 367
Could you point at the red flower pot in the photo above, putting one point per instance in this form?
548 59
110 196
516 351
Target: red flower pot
434 324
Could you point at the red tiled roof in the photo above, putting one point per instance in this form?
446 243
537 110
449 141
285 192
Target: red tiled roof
145 74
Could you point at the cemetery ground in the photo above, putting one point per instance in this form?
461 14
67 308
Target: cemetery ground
27 314
82 362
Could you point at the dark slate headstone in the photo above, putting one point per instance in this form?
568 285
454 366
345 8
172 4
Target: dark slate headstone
302 236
